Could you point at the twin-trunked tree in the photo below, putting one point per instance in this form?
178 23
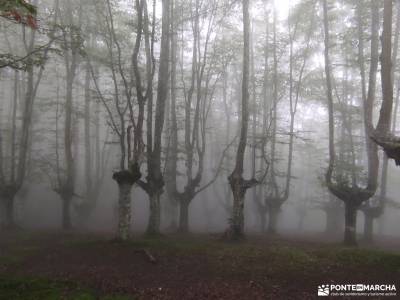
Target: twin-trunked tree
350 192
127 122
208 62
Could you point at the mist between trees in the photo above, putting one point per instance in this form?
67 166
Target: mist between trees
206 116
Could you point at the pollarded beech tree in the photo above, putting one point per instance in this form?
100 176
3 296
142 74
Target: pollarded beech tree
382 135
350 191
274 197
154 184
238 184
208 63
120 107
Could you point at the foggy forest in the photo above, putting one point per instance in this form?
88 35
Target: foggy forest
199 149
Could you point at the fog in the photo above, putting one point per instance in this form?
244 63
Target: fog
119 117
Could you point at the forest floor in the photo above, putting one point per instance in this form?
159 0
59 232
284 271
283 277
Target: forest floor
44 266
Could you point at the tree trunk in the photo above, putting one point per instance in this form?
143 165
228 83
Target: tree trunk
382 187
273 214
9 213
301 222
383 126
350 224
332 222
26 125
14 127
68 141
369 97
88 148
66 212
329 95
235 179
184 216
368 227
155 177
254 115
124 210
263 221
237 220
172 151
273 114
153 227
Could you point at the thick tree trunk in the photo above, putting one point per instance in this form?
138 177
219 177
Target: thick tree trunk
263 221
273 214
171 213
237 220
9 212
153 227
332 222
124 210
350 224
125 179
66 212
368 227
184 216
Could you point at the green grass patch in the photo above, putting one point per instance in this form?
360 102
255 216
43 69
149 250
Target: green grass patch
372 258
274 256
357 257
174 244
43 289
32 289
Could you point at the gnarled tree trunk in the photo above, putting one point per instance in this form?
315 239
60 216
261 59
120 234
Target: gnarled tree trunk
368 227
237 220
236 181
124 210
263 220
125 179
273 214
350 219
153 226
184 216
66 212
